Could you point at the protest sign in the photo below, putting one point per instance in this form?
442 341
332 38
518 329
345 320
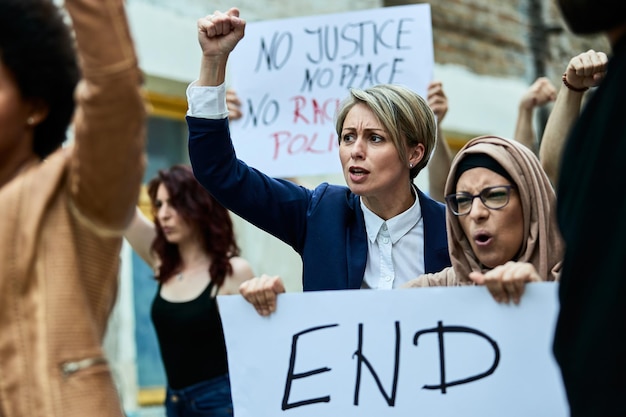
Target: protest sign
444 352
291 75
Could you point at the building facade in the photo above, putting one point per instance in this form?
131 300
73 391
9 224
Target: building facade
487 53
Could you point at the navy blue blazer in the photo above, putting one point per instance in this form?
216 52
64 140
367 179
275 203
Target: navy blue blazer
325 226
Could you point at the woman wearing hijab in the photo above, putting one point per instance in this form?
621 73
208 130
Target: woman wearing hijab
502 230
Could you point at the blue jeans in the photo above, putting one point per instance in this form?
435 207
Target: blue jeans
209 398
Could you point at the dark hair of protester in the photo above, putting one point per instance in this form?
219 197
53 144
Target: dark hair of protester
37 49
200 210
588 17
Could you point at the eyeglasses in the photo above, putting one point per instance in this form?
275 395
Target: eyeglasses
492 197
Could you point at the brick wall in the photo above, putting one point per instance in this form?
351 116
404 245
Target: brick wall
489 37
500 37
262 9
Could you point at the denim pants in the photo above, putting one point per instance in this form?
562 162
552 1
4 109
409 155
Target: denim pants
209 398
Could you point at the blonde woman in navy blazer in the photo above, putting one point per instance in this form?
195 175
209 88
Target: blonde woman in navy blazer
378 232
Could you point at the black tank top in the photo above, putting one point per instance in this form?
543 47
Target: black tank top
191 338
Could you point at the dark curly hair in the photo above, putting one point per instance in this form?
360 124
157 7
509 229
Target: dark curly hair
37 48
201 212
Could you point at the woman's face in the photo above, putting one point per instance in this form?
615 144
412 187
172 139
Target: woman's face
371 164
16 135
495 235
175 228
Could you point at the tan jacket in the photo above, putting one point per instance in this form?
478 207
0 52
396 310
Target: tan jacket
61 232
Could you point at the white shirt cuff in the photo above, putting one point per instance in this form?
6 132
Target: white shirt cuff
207 102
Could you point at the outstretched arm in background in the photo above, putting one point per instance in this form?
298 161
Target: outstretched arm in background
140 234
583 71
441 160
538 94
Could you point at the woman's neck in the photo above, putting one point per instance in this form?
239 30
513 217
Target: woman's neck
12 167
389 208
192 255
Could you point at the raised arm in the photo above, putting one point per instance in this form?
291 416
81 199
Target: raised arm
140 235
108 155
440 161
583 71
540 92
218 35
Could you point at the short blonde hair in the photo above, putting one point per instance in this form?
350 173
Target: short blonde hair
403 113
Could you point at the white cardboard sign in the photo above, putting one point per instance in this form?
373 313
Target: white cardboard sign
444 352
291 75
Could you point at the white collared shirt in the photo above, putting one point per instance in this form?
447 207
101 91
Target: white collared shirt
207 102
395 248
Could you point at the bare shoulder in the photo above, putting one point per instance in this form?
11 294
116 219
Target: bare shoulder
242 271
239 263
